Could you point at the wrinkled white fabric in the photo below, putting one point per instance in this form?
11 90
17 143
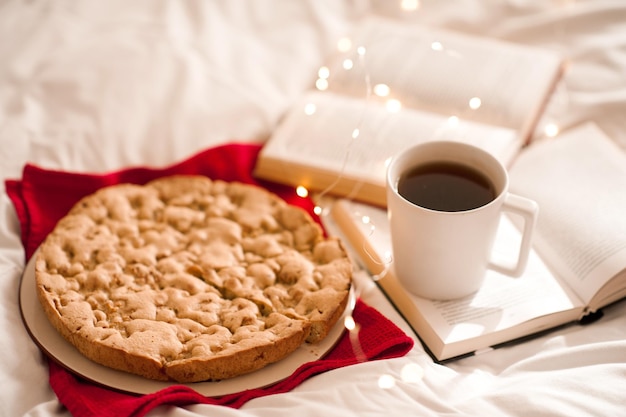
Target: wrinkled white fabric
101 85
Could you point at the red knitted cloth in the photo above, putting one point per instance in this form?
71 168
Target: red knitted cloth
41 197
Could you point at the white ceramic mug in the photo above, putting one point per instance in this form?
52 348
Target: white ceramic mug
445 254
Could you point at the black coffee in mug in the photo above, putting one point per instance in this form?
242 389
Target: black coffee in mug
446 186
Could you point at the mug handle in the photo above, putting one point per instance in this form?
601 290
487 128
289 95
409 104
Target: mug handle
528 210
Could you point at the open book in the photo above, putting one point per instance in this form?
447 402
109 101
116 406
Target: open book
578 265
400 85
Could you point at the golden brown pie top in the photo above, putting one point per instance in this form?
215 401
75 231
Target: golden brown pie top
190 279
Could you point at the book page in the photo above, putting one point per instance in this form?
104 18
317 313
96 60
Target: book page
475 78
475 90
502 302
579 181
500 305
325 138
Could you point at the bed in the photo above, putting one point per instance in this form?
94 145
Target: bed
96 87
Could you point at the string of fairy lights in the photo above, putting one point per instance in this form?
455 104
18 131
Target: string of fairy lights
412 372
382 91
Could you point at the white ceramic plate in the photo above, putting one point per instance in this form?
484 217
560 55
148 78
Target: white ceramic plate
57 348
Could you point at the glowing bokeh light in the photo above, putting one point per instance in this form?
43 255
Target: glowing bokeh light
365 219
382 90
387 257
410 5
551 130
475 103
310 109
393 105
323 72
344 44
453 121
321 84
436 46
349 323
412 373
355 133
302 191
348 64
386 381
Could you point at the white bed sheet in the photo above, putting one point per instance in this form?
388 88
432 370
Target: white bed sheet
101 85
